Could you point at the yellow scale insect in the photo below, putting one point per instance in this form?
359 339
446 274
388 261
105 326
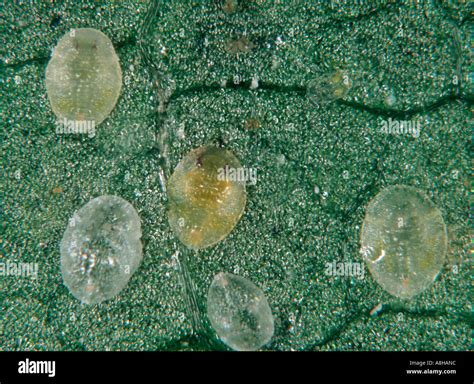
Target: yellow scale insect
203 206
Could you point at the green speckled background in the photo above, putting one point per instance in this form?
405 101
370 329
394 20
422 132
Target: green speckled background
319 162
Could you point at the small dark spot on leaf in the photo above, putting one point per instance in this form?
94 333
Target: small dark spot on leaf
56 19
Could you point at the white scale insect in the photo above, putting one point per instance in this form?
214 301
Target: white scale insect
239 312
101 249
403 240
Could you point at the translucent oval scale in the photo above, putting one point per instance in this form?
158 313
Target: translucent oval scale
83 77
328 87
101 249
403 240
205 201
239 312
